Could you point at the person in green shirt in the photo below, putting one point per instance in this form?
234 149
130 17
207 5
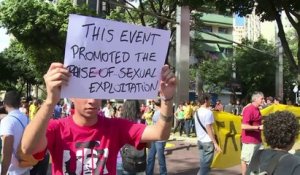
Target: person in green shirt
179 114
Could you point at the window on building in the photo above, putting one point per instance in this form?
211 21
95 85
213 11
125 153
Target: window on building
104 6
81 2
92 4
206 28
223 30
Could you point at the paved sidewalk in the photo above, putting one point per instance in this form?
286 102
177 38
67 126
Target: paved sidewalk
182 157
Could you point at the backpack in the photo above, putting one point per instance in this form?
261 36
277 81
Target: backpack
254 168
24 160
133 160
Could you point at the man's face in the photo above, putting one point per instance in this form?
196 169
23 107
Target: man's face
90 162
86 107
259 100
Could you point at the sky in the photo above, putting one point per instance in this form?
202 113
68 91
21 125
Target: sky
4 39
239 21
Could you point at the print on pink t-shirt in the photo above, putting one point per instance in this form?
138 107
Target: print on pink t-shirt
89 150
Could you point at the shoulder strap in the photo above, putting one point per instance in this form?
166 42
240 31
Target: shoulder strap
197 116
20 121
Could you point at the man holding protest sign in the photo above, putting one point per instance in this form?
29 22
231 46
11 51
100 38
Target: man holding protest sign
103 59
86 142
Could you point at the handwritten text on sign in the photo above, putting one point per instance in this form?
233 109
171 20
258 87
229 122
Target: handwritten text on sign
110 59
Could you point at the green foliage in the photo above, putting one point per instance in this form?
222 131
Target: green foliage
270 10
119 15
16 70
40 27
215 73
158 14
289 77
255 70
292 39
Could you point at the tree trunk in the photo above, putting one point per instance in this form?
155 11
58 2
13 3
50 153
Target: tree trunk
285 44
199 83
298 55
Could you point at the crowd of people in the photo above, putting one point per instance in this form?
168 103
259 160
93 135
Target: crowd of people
83 137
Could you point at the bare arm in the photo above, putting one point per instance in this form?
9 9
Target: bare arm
210 132
7 146
251 127
34 138
161 130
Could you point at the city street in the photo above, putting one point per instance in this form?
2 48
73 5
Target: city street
182 158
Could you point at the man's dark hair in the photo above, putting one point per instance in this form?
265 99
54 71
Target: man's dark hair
12 99
157 102
270 98
131 110
2 110
203 98
278 99
281 129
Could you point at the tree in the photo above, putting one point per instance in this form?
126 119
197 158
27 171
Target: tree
40 27
271 10
157 14
15 68
215 73
255 70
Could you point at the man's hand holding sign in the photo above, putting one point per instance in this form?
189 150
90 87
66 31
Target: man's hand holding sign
103 60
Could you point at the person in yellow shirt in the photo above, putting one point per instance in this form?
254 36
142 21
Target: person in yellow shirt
188 113
148 115
33 108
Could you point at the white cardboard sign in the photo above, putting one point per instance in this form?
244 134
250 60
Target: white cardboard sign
113 60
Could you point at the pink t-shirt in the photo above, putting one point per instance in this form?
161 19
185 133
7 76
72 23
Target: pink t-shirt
90 150
251 116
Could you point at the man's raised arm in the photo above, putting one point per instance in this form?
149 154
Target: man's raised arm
34 137
161 130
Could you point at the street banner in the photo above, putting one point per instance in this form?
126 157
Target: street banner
228 134
227 128
113 60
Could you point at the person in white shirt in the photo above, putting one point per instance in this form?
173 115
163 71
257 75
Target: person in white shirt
206 140
108 110
11 131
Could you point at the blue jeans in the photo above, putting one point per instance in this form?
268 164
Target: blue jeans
187 126
158 147
206 152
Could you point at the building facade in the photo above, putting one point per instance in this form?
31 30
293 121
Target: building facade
253 27
215 36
